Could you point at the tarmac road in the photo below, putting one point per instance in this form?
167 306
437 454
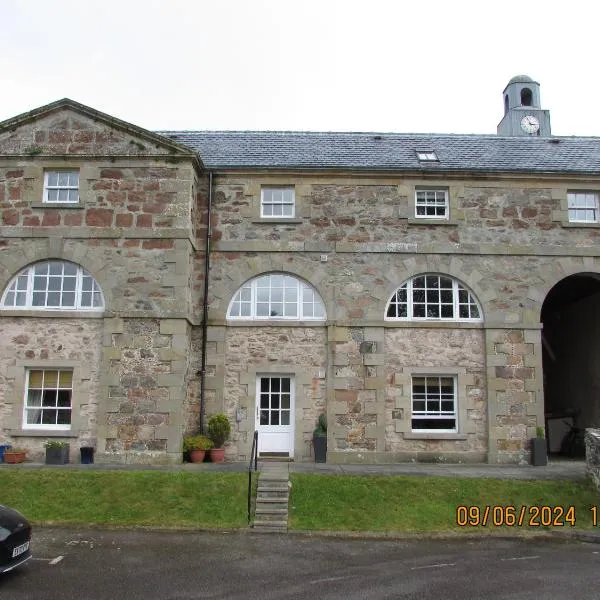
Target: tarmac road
95 564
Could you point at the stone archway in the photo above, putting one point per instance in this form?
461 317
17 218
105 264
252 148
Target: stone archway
571 355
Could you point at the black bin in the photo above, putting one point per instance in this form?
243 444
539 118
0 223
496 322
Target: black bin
87 455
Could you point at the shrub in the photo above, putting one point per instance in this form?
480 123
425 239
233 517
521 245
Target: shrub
219 429
55 444
321 429
196 442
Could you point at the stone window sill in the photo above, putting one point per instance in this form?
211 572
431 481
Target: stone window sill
273 322
43 433
415 221
53 314
435 436
262 221
57 205
569 225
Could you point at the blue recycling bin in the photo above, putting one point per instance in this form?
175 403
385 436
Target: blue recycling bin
3 447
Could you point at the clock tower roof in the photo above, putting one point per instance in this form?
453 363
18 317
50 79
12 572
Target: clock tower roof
521 79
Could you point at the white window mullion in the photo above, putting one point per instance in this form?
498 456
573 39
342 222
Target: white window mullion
455 300
79 289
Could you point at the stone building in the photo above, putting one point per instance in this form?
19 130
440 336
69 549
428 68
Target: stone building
435 295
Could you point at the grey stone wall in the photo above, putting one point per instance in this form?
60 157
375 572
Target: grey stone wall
335 211
356 241
50 343
592 454
136 230
252 351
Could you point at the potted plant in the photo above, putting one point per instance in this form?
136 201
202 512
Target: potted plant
539 453
15 455
57 452
219 429
196 447
320 439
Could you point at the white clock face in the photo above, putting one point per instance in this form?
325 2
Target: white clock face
529 124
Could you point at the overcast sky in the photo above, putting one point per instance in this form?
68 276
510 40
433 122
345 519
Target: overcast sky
322 65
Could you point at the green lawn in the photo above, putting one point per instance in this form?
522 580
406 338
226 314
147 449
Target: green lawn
317 502
151 498
427 504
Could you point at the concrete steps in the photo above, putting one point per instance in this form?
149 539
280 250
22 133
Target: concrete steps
272 498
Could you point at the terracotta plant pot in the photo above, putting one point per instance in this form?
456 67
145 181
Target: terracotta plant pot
217 455
197 456
13 457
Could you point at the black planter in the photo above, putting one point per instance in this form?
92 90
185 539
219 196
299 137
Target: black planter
320 447
539 452
87 455
57 456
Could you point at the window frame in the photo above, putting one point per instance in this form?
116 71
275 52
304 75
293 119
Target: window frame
272 203
457 288
432 415
251 299
24 282
58 188
596 209
446 203
47 426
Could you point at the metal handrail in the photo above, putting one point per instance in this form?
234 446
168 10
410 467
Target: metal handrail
253 459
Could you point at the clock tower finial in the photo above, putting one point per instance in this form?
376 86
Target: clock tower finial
523 115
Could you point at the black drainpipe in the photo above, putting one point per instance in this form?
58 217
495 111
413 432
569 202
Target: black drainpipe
205 307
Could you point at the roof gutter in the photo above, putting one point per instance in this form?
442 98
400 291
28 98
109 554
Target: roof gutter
205 305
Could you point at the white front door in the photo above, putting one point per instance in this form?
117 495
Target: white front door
275 414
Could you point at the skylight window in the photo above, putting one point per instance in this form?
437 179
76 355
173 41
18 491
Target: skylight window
427 155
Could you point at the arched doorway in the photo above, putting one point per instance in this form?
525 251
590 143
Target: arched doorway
571 359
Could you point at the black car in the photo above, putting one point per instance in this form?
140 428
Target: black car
15 536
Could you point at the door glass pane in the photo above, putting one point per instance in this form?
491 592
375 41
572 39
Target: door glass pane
285 417
275 417
264 417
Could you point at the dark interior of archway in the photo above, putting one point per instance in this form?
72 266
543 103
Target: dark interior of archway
571 354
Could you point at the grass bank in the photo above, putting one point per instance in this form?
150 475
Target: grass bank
127 498
428 504
317 502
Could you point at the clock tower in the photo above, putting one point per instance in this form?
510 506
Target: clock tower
522 113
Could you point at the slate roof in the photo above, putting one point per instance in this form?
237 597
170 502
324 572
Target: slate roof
391 151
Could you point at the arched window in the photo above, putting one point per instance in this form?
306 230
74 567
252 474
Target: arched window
276 296
506 104
53 285
433 297
526 97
